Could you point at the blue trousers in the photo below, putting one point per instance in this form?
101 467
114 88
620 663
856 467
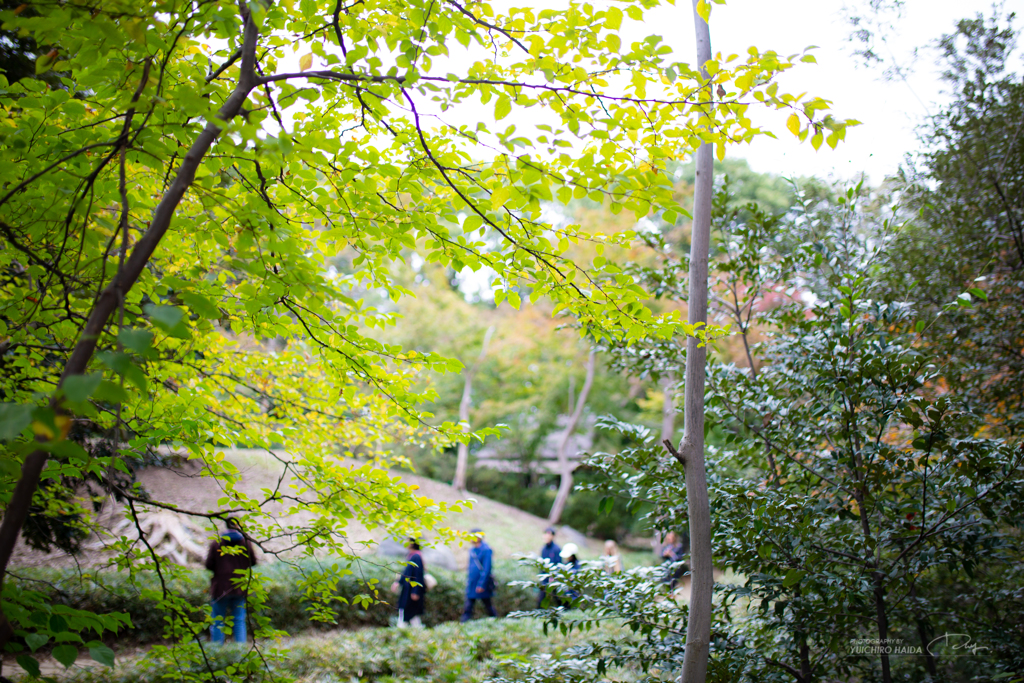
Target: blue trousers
228 606
467 610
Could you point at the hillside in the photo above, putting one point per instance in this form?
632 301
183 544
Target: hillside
509 530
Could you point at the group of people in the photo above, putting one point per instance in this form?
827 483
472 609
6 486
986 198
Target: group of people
233 551
414 581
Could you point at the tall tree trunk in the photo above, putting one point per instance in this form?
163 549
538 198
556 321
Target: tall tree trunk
107 302
883 622
691 450
564 466
462 463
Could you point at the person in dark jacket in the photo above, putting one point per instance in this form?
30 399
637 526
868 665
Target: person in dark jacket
229 555
550 552
673 552
413 587
479 583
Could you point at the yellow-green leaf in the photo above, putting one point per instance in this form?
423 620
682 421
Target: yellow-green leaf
704 10
136 30
499 196
306 62
793 124
613 19
502 108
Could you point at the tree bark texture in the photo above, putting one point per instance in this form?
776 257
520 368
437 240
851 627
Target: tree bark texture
109 299
564 466
462 462
698 627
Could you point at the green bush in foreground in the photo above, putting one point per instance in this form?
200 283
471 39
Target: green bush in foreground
287 607
451 652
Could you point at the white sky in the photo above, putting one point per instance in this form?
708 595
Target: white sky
890 111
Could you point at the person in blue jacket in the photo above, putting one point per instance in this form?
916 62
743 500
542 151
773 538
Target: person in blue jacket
412 583
550 552
479 583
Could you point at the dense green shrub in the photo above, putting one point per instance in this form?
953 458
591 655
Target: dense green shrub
450 652
286 605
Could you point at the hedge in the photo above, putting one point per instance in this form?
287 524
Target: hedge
286 605
467 653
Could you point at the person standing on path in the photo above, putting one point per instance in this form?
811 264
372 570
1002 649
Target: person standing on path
568 556
230 554
413 586
611 561
479 583
672 553
550 552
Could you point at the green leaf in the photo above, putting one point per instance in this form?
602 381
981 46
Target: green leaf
36 640
79 388
139 341
919 326
201 305
45 62
110 392
136 30
978 293
65 654
165 316
502 108
58 624
613 18
14 417
793 576
170 319
102 654
29 664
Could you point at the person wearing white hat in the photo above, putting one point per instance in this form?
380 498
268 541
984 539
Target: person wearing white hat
568 556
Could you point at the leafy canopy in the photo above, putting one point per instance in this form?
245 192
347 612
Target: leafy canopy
168 202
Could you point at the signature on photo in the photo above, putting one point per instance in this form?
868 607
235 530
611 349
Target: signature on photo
957 645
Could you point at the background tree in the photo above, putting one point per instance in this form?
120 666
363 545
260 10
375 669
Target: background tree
459 482
565 466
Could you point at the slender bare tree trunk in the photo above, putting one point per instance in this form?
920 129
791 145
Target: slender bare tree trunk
462 463
691 450
107 302
564 466
668 410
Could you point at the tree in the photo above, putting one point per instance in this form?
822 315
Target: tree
967 243
854 496
467 393
165 218
691 450
565 467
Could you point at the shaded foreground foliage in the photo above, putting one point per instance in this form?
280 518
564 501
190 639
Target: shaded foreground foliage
286 606
473 652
